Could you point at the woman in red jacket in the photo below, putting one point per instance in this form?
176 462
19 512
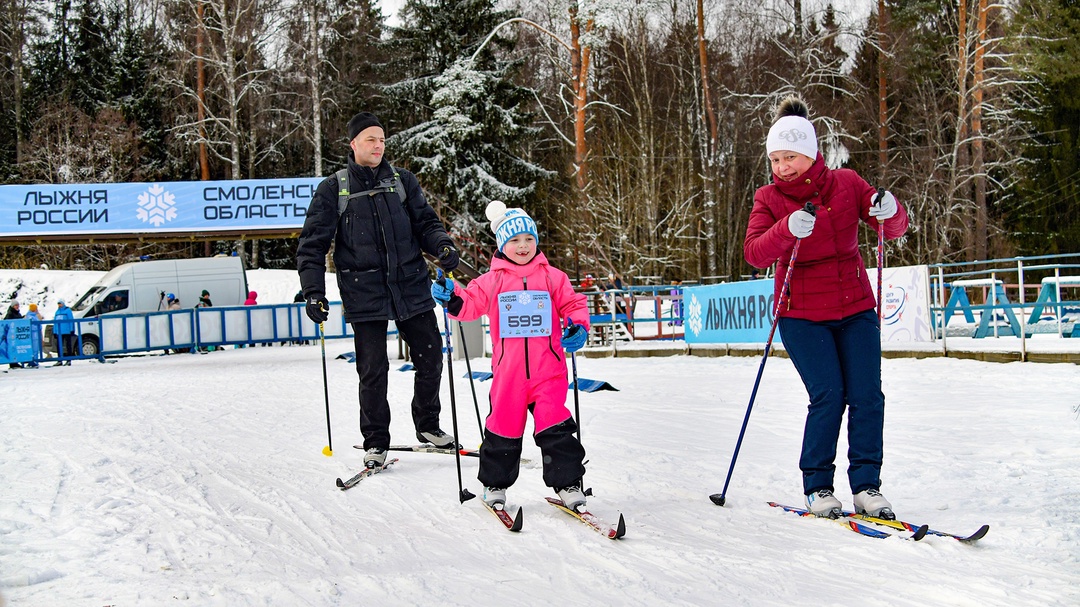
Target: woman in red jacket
829 324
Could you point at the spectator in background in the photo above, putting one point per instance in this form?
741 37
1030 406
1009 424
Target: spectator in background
174 302
614 281
13 314
204 302
588 282
622 302
35 334
755 274
250 301
117 302
64 329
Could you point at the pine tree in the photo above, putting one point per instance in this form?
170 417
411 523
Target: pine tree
468 122
92 53
1047 221
51 59
138 92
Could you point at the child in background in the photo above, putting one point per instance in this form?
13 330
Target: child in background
35 334
526 300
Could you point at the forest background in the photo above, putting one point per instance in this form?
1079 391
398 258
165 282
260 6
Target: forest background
632 130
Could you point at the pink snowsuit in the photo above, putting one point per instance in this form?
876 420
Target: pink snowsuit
526 369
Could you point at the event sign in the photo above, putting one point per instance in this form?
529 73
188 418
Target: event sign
905 302
16 344
741 312
167 207
738 312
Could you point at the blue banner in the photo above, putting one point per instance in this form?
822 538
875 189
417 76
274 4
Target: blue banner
738 312
188 206
16 345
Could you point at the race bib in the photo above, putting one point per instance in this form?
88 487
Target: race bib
525 314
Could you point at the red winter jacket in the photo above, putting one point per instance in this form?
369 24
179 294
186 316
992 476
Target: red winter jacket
829 282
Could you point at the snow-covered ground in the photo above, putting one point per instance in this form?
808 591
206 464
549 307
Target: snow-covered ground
199 480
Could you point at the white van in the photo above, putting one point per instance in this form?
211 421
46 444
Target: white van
143 286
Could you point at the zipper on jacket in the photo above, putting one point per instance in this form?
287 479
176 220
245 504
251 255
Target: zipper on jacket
525 286
386 256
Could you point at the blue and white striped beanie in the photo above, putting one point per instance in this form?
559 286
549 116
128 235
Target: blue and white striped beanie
508 223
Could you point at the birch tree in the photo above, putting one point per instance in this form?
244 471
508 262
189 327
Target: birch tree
242 41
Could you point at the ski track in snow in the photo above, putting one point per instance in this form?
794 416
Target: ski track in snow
198 479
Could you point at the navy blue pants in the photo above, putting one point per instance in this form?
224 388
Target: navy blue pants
840 365
421 332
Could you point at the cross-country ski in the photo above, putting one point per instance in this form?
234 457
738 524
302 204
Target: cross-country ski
352 481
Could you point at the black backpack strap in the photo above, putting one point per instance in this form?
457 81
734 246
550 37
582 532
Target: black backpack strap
343 190
344 196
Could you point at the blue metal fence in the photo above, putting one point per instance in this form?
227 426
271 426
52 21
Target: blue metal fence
192 329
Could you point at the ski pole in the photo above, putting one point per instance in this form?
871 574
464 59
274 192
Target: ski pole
472 385
328 450
720 498
463 494
880 254
577 406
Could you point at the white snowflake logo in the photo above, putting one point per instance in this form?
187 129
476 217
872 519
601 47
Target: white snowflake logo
694 321
156 206
524 298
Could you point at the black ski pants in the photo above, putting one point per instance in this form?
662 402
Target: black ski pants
421 332
562 452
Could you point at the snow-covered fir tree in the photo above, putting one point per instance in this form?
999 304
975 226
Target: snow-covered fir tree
468 124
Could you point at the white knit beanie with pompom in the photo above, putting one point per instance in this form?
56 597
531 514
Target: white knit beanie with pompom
792 130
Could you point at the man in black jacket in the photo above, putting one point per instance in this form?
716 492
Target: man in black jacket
380 223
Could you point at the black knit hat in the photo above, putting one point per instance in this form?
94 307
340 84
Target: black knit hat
360 122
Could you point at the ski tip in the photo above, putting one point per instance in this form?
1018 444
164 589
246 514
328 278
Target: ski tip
340 483
920 533
620 528
518 520
717 499
978 535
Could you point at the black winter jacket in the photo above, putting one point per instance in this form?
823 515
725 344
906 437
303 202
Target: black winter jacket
12 313
379 240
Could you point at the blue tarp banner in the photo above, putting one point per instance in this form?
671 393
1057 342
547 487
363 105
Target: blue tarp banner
187 206
592 385
16 345
738 312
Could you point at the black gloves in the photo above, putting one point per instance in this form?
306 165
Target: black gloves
318 309
448 259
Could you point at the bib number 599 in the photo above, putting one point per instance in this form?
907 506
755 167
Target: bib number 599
522 322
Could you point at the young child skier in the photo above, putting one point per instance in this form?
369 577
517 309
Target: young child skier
526 300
